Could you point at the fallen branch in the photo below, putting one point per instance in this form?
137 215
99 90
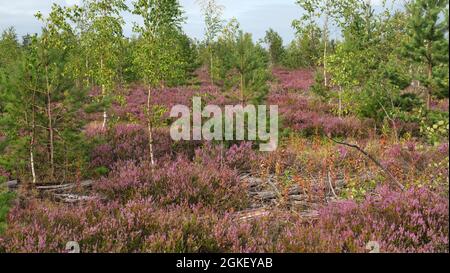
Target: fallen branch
331 185
65 186
271 184
394 126
391 177
249 215
72 198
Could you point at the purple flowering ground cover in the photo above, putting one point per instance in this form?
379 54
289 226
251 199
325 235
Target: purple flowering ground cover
191 200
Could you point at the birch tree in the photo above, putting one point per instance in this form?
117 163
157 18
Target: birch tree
103 38
158 57
212 13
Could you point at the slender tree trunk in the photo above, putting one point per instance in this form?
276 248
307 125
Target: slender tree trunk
392 120
311 45
149 127
340 102
33 171
430 85
211 72
50 126
32 140
242 88
105 115
325 49
87 79
105 119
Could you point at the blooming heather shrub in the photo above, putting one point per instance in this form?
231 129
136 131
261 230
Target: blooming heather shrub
260 235
313 123
441 105
347 126
136 100
137 226
241 157
123 142
315 118
412 158
210 153
123 181
102 155
130 142
285 99
176 182
208 184
443 148
412 221
94 130
294 79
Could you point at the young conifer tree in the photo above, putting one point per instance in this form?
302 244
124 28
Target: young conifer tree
41 103
242 64
275 44
428 40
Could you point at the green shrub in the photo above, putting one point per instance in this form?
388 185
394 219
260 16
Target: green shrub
5 200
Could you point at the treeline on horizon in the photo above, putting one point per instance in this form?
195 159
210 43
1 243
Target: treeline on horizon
80 61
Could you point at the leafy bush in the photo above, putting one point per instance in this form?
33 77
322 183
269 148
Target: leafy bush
319 88
408 102
5 199
435 126
3 175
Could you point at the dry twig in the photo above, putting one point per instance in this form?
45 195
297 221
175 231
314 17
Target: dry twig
391 177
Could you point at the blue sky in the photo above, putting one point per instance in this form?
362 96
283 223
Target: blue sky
255 16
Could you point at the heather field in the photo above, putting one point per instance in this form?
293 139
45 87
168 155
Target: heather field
311 195
87 156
